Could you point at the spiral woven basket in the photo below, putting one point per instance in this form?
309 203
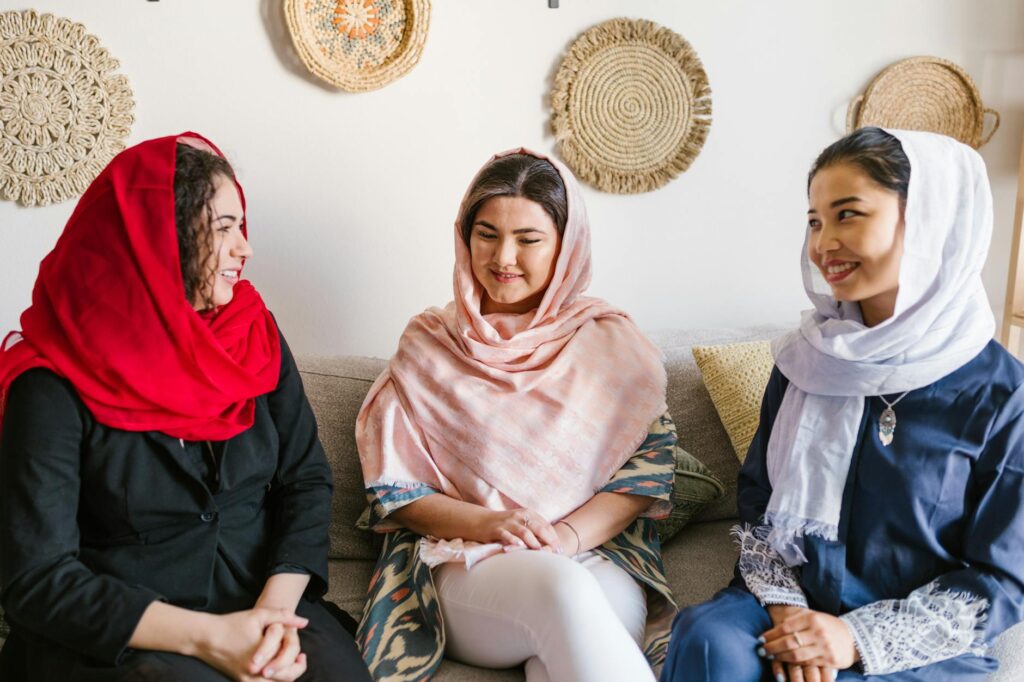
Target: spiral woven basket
358 45
631 106
924 93
64 113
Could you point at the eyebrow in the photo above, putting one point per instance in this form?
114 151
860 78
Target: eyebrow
520 230
839 202
227 215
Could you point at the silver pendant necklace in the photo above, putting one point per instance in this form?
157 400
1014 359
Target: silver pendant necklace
887 422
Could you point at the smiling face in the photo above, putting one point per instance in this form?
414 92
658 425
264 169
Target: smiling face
229 248
513 248
856 238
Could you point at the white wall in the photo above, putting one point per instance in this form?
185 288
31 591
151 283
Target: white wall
352 196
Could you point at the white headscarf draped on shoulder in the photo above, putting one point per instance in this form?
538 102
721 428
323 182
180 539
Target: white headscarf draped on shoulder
942 320
534 410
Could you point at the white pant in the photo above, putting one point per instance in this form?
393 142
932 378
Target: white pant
569 620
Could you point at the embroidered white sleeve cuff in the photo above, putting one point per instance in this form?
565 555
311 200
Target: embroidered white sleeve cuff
766 574
930 625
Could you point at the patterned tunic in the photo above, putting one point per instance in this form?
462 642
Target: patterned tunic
402 634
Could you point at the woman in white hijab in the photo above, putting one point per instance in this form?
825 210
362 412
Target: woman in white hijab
882 495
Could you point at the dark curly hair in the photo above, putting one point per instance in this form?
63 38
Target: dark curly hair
875 152
195 180
518 175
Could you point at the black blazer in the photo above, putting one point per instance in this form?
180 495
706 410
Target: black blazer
96 522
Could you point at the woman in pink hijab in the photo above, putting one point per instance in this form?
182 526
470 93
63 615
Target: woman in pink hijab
515 453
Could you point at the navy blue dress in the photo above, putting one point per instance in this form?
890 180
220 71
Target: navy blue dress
939 507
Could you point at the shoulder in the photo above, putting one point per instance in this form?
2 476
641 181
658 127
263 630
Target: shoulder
40 393
41 384
993 375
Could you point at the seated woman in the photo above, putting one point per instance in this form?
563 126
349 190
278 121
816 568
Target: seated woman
875 544
510 448
164 499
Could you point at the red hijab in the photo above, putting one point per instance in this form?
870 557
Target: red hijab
109 313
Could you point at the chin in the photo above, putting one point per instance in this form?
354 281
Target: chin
222 300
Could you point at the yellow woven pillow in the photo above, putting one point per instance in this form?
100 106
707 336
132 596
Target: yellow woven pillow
735 375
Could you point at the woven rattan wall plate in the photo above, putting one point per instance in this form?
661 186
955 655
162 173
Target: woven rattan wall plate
64 113
631 106
923 93
358 45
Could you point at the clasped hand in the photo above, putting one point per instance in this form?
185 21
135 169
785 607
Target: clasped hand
257 645
806 645
520 528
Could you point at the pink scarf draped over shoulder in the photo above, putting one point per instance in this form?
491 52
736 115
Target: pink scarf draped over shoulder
534 410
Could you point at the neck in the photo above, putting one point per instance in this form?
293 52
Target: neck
489 306
878 309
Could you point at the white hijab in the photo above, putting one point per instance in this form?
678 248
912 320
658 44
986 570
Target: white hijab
833 362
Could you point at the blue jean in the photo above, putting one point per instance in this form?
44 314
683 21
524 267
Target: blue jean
717 642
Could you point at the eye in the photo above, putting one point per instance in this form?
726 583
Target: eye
846 213
485 235
528 241
813 224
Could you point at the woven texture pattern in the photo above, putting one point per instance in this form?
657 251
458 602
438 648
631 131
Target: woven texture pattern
64 113
736 375
924 93
631 107
358 45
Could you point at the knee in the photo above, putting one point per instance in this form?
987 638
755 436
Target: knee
702 641
562 585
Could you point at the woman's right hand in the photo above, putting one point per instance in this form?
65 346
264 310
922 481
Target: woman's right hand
519 527
230 643
792 672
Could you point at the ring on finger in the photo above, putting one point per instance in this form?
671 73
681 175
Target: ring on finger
796 636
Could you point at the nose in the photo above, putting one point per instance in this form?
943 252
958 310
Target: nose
240 247
506 253
825 240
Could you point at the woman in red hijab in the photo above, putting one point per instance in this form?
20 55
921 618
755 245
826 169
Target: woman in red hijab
164 498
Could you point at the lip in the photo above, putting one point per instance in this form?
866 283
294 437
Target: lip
505 277
231 280
839 276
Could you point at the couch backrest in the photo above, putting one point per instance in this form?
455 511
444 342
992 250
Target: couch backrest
336 387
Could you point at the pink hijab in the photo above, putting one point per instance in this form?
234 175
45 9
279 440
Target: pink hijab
534 410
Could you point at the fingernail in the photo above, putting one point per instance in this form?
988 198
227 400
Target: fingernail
779 677
761 652
770 657
257 659
269 672
760 640
835 674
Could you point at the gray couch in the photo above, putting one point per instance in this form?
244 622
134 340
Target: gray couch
698 561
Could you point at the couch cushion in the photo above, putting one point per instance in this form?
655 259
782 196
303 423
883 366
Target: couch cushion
336 388
736 375
697 423
693 489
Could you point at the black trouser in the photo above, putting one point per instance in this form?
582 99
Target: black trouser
330 652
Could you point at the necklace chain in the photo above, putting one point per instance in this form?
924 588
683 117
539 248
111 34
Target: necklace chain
890 405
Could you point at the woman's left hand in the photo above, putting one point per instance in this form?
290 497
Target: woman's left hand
811 639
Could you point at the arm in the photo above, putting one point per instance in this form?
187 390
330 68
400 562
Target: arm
411 493
601 518
642 487
760 567
300 496
46 589
960 611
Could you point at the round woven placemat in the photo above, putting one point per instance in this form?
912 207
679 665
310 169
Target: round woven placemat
631 106
63 112
358 45
924 93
